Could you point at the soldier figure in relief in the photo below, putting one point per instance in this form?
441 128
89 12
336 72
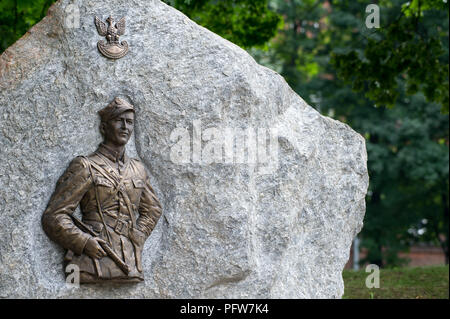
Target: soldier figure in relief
118 205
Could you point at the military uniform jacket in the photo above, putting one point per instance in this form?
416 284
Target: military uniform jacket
130 211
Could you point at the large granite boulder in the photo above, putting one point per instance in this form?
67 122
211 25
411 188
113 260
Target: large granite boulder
236 223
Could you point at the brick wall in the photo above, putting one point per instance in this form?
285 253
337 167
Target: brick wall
418 256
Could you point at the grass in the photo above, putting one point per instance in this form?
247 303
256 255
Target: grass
399 283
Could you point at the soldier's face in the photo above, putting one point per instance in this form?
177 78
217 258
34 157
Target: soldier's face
118 130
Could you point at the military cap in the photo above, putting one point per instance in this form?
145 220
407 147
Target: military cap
114 109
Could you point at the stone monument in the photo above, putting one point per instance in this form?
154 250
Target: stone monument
261 195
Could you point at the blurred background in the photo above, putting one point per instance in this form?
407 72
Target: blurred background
389 83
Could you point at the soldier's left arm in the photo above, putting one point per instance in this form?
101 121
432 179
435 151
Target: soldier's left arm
149 209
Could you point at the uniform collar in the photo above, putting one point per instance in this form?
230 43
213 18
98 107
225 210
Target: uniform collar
111 154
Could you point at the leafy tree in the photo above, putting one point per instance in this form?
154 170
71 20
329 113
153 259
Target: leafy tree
412 48
18 16
408 164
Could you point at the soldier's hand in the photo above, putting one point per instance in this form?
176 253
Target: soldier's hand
93 248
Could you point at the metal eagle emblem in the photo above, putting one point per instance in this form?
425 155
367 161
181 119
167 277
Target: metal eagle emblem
112 48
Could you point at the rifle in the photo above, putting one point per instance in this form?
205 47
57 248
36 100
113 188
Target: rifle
123 266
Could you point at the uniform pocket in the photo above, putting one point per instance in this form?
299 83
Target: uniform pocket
102 181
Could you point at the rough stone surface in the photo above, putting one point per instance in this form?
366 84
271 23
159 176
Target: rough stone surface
228 230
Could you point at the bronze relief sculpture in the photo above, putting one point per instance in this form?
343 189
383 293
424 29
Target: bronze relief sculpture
112 49
118 205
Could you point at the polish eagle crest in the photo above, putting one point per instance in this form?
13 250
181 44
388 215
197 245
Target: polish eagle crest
112 48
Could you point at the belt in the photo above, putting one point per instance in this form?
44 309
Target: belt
120 225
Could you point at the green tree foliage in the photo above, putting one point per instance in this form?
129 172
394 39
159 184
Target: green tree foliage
408 164
407 146
411 47
18 16
246 23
